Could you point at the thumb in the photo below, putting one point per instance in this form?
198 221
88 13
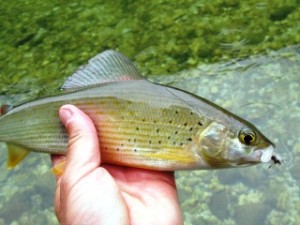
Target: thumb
83 154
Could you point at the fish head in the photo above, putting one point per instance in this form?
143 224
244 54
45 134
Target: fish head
238 144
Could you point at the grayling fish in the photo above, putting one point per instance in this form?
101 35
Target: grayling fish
139 123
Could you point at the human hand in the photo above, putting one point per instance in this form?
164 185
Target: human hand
91 193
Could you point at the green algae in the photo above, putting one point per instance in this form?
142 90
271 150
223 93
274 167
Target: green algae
43 42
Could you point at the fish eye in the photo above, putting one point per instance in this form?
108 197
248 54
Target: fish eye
247 137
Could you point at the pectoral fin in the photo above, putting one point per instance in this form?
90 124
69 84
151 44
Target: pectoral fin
58 168
16 154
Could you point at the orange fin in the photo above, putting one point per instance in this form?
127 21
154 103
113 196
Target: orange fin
58 168
16 154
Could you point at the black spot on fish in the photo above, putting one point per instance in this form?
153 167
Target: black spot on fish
122 144
181 144
143 120
134 140
118 149
137 128
159 142
105 148
176 132
170 121
191 113
176 112
150 142
169 137
174 142
189 139
122 117
135 150
157 131
200 124
191 128
129 140
154 121
185 124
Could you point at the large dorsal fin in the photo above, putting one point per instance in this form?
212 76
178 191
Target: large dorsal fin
105 67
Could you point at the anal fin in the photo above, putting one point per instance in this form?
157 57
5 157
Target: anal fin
16 154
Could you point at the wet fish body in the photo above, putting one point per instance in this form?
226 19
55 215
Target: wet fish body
139 123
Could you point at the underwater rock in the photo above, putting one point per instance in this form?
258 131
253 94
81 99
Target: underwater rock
28 200
252 176
251 213
295 172
219 204
14 208
228 176
248 176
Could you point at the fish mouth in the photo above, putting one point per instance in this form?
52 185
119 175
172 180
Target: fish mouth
262 155
267 155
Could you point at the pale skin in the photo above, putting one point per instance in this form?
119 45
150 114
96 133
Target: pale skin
90 193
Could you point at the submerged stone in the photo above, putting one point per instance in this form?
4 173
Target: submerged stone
251 213
219 204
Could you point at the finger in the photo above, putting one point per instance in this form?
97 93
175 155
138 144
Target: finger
83 154
57 203
129 174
